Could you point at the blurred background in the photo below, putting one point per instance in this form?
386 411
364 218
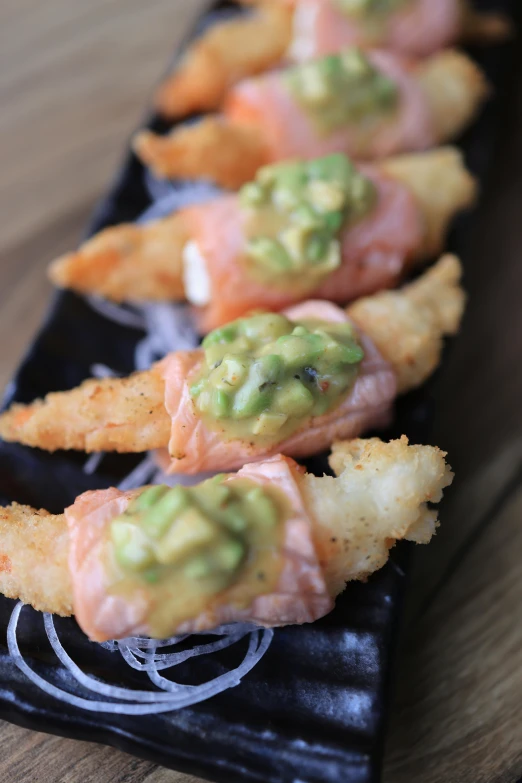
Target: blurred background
75 78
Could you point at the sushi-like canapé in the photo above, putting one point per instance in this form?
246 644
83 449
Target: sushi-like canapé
261 385
324 229
270 544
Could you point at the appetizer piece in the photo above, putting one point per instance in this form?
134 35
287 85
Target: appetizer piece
271 383
271 544
367 105
253 43
321 229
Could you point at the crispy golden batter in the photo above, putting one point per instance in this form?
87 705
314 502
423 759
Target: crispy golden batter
212 149
33 559
145 262
484 28
225 54
456 88
128 262
442 186
111 414
409 326
228 154
379 498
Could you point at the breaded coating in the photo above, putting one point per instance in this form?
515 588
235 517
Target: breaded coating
484 28
33 558
222 56
128 262
408 326
456 89
442 186
111 414
380 497
141 263
212 149
229 154
128 414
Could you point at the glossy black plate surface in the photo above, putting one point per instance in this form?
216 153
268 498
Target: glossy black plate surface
314 708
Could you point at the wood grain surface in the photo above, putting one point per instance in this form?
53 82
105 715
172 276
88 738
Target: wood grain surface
74 79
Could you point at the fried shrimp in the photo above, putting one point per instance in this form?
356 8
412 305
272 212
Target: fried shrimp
128 262
263 123
347 525
408 326
222 56
146 263
402 334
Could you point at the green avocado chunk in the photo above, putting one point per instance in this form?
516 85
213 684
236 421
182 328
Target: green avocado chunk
343 89
263 375
365 8
203 533
294 212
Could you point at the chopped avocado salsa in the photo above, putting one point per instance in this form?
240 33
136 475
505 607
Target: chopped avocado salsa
263 376
366 8
294 213
342 89
185 545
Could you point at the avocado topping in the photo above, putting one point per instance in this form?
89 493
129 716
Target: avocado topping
294 213
263 376
342 89
185 545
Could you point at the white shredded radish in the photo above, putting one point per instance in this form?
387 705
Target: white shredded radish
168 198
99 370
123 315
141 475
127 701
93 463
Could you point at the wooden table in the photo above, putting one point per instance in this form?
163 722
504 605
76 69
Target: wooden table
74 77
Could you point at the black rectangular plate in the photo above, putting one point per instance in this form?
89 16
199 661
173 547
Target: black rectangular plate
314 708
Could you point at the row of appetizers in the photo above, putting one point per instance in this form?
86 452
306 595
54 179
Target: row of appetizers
304 347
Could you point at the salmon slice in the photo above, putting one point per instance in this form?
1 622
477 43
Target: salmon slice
267 103
195 448
336 530
418 29
375 253
301 595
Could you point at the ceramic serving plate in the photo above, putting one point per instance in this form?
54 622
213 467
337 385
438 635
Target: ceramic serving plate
314 707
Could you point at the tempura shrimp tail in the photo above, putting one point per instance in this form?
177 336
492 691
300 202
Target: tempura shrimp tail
358 518
455 88
442 186
213 149
226 53
34 547
483 27
128 262
111 414
408 326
